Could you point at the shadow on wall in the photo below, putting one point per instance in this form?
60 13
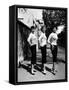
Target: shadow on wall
23 46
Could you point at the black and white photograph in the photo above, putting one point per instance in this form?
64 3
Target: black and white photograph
41 44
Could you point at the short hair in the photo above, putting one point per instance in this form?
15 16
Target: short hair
32 27
42 28
55 27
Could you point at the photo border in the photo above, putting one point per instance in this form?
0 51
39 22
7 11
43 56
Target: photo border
16 58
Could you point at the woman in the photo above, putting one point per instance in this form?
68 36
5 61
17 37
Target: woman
43 42
32 39
53 42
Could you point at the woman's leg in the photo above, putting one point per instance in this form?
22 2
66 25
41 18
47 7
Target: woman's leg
32 66
44 58
33 58
54 53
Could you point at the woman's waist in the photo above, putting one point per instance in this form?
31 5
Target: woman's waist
54 43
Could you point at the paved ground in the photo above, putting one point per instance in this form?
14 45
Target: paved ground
24 71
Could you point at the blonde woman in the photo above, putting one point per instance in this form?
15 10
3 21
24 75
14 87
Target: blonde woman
43 42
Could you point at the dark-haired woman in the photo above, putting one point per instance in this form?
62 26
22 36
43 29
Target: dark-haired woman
32 39
53 42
